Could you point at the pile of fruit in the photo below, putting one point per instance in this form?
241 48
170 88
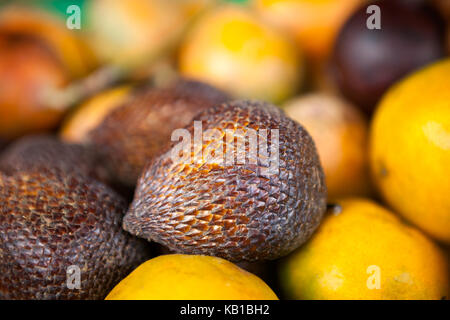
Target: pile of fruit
128 169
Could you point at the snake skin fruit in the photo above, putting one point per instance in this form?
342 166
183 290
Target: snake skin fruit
33 153
236 211
132 134
51 221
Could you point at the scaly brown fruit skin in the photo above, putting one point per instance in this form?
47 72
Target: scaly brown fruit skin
50 220
132 134
233 211
45 151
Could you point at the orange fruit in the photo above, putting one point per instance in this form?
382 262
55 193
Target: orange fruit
27 71
410 149
363 251
192 277
232 49
340 132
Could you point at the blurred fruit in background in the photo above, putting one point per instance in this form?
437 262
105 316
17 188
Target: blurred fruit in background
131 32
43 152
70 47
231 48
313 24
38 56
366 62
340 132
358 242
443 6
193 7
190 277
26 70
410 149
92 112
130 126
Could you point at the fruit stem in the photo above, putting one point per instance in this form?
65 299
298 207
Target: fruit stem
100 79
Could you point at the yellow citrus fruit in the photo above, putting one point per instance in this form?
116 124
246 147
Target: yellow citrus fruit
231 48
182 277
410 149
91 113
313 23
363 251
340 132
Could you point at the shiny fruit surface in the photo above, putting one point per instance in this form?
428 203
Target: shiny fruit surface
181 277
410 149
363 251
231 48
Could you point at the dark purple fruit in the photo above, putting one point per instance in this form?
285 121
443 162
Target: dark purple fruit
367 62
50 221
238 210
44 151
132 134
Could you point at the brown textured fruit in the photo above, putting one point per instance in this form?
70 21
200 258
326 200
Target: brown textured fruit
45 151
132 134
91 113
51 220
237 211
